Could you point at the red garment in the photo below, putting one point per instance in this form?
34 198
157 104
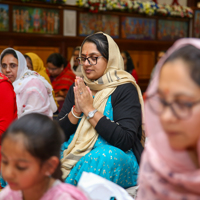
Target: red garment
134 74
63 81
8 104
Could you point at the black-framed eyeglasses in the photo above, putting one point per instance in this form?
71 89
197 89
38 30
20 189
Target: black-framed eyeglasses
91 60
11 65
180 109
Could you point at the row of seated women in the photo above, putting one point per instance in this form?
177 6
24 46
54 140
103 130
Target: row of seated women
101 115
102 119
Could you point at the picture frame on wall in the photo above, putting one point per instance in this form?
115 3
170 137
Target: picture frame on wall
196 24
4 17
36 20
172 30
91 23
69 23
138 28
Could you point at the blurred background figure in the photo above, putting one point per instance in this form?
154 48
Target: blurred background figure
35 63
33 92
160 55
128 65
73 64
61 76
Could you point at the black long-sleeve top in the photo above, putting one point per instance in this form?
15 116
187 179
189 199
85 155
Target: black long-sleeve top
121 132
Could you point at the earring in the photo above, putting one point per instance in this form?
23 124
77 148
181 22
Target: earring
48 174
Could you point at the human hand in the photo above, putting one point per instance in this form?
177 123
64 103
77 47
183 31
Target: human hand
84 96
77 108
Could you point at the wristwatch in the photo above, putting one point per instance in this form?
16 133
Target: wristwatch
91 114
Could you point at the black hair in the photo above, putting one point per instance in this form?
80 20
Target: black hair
28 57
101 43
9 51
130 65
42 137
191 56
57 60
76 49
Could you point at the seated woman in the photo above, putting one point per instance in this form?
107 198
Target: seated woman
61 76
35 63
73 64
33 92
106 140
170 167
128 65
8 104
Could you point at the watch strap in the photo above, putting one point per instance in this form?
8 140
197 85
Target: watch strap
91 114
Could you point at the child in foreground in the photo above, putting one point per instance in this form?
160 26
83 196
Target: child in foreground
30 161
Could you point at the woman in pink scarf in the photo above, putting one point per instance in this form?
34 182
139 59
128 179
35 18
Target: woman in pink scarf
170 167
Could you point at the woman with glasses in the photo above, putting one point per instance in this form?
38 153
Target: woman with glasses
102 117
33 92
61 76
170 167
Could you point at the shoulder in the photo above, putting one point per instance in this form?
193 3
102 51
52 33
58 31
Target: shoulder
124 92
69 72
7 193
125 89
64 191
3 77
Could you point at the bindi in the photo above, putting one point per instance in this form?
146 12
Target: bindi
166 91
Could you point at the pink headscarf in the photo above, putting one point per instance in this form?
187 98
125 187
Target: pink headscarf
166 174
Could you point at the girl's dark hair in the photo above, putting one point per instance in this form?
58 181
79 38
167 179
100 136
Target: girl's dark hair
9 51
57 60
42 137
130 65
101 42
191 56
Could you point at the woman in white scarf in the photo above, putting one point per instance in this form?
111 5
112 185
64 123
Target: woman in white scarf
74 65
33 92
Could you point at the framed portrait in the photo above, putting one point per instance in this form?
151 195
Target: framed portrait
196 25
91 23
138 28
172 30
69 23
4 17
35 20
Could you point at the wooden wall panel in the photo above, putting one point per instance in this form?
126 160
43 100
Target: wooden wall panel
2 48
42 52
69 53
144 62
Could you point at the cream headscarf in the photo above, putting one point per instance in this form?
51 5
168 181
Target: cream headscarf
166 174
86 136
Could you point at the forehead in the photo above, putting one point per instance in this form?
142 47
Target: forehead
8 57
14 147
89 48
175 77
76 52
